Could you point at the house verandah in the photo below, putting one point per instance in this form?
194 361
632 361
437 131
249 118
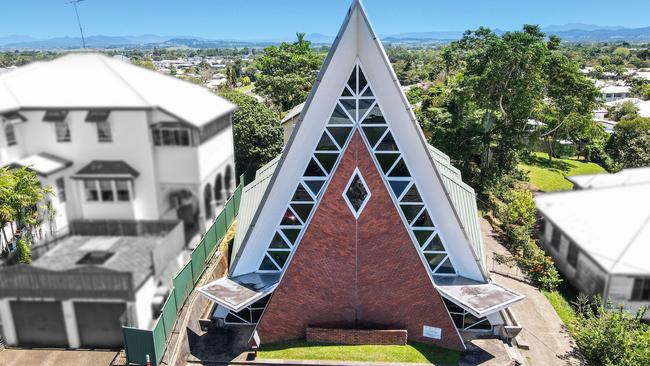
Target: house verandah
359 224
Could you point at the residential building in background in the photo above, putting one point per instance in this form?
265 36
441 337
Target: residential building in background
140 164
598 235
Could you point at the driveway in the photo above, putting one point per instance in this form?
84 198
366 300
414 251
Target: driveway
549 341
55 357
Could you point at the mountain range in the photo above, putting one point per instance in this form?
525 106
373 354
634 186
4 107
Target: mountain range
572 32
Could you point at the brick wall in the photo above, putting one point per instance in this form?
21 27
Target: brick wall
363 273
357 336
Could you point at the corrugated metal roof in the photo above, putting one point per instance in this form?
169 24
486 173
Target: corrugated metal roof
250 199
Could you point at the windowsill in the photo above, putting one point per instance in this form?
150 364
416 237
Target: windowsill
109 202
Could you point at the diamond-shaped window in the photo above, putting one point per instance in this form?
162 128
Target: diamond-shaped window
356 193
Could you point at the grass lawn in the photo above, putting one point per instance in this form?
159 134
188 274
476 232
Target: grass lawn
549 175
413 352
246 88
561 306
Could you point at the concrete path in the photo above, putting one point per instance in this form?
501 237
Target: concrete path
55 357
549 341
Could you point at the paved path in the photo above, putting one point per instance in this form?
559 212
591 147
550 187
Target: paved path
55 357
549 340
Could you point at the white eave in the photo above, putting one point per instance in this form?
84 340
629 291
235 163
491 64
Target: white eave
479 299
237 293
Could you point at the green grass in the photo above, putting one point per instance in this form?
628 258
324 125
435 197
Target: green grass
245 88
549 176
561 305
413 352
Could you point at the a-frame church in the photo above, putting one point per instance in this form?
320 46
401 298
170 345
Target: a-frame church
359 223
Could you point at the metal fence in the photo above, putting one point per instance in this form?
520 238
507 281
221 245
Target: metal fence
142 343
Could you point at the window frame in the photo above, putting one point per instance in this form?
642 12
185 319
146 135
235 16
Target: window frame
640 289
10 134
106 131
62 127
114 191
167 135
573 252
60 189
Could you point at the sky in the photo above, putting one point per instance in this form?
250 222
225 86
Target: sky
281 19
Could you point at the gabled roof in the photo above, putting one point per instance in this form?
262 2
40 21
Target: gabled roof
611 225
91 80
43 164
107 168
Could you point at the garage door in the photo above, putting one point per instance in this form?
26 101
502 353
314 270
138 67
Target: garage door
39 323
99 324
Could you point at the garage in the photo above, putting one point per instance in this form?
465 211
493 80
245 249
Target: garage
39 323
99 324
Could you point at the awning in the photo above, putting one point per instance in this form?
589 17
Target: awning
479 299
106 169
55 115
14 117
98 115
43 164
237 293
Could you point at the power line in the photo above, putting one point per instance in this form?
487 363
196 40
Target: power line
76 11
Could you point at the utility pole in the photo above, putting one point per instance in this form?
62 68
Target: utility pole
76 11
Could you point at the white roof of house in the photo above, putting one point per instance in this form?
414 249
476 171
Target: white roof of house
615 89
611 225
293 112
91 80
43 164
604 180
614 103
644 108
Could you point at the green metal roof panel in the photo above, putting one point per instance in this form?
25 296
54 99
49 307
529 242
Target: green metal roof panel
250 199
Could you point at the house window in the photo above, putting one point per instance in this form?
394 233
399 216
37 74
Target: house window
104 132
572 257
92 192
171 135
62 131
556 238
60 189
108 190
641 289
10 134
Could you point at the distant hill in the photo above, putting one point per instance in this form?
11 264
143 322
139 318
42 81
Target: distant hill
578 26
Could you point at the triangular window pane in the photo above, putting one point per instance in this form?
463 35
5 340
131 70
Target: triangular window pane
339 117
350 105
435 245
301 194
412 195
340 134
268 265
278 242
446 267
313 170
374 116
352 80
386 161
398 186
302 210
368 92
387 143
346 92
326 143
410 211
362 81
373 134
279 256
364 105
326 160
290 219
422 235
434 259
424 220
400 170
314 185
291 234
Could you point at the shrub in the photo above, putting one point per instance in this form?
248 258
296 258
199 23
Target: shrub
24 250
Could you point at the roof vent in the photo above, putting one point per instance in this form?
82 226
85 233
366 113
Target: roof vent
96 257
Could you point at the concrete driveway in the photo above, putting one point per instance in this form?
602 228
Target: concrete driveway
550 342
55 357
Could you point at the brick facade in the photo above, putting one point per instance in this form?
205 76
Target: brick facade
363 273
357 336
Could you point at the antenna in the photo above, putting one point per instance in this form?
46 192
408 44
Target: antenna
74 3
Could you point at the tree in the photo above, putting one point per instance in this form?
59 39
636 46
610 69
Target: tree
257 133
629 145
623 111
287 72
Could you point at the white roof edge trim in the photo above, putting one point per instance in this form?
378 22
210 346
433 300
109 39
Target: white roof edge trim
241 306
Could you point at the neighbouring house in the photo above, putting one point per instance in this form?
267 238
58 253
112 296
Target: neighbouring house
289 121
598 235
117 141
359 223
613 93
140 163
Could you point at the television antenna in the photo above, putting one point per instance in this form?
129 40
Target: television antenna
74 3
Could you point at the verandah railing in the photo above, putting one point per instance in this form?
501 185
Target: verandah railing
140 343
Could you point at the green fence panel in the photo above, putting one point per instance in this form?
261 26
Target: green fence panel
220 226
198 261
138 343
183 284
159 340
168 313
236 198
230 213
210 239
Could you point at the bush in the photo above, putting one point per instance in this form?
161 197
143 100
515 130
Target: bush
611 336
24 250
